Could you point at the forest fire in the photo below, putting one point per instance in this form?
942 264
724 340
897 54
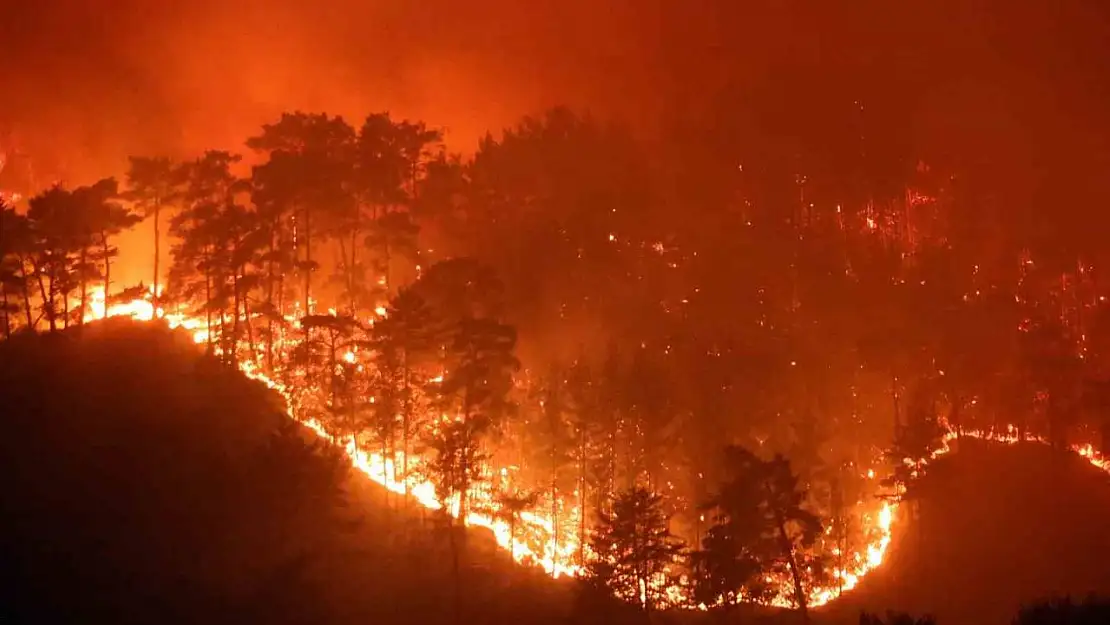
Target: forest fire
535 528
717 441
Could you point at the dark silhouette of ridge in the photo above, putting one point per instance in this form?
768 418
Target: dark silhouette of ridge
144 482
998 527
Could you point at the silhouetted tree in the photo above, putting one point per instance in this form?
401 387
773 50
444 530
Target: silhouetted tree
15 247
511 504
154 184
634 552
200 272
478 383
307 175
916 439
335 333
551 444
404 345
760 527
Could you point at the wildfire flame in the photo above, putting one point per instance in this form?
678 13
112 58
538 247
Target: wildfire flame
558 559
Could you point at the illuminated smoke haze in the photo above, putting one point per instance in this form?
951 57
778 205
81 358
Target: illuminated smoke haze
87 82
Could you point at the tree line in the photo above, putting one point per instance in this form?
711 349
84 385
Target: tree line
596 321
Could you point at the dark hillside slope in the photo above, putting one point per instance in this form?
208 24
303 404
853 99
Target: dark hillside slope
143 483
999 526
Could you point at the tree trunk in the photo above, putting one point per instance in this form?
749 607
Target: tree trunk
354 250
554 518
7 316
512 535
65 310
385 455
85 290
795 574
234 343
107 270
791 560
225 356
208 307
26 282
645 588
405 422
894 399
308 261
465 475
155 298
348 272
333 362
582 499
392 448
388 267
247 325
47 299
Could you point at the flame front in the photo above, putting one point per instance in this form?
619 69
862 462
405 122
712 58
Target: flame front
537 528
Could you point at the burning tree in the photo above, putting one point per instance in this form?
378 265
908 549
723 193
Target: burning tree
511 505
550 444
404 344
477 390
761 530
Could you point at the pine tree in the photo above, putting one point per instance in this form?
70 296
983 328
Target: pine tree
634 552
154 184
551 445
404 345
760 527
915 440
107 218
15 243
308 176
479 383
201 269
511 504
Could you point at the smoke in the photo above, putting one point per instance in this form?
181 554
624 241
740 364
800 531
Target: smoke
87 82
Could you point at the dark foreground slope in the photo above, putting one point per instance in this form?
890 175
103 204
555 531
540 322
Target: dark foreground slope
998 527
145 483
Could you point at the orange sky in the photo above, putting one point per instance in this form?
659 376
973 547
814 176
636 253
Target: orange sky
88 82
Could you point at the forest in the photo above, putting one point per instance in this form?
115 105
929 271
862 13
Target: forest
695 383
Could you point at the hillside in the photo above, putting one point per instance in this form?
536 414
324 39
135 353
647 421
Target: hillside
146 483
998 526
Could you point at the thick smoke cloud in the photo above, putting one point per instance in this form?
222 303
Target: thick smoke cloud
87 82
